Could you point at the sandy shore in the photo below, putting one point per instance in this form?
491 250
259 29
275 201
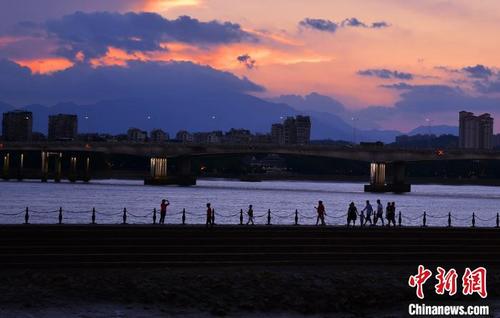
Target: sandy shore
357 291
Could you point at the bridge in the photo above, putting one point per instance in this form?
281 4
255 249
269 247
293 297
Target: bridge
383 161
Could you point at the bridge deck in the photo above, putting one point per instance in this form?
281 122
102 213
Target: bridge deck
369 154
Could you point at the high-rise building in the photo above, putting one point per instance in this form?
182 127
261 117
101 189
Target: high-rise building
289 131
475 132
215 137
485 131
277 136
293 131
303 126
158 135
137 135
184 136
468 130
238 136
63 127
17 126
200 137
262 138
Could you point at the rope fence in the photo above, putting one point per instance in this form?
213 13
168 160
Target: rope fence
296 218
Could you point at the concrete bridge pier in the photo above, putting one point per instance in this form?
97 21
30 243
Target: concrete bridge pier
45 166
378 177
398 172
86 175
185 175
6 167
159 172
58 168
73 174
20 168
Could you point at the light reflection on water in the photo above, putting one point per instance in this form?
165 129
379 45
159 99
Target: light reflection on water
228 197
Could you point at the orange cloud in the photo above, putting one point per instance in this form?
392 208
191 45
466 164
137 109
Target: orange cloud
118 57
46 65
220 57
165 5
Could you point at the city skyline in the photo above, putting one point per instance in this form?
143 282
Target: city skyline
17 126
377 62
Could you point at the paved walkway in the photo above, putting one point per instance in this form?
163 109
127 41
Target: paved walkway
170 245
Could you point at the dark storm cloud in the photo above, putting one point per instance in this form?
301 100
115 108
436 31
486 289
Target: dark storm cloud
398 86
246 60
331 26
488 86
23 48
93 33
319 24
15 11
82 83
418 101
380 25
478 71
432 98
386 74
353 22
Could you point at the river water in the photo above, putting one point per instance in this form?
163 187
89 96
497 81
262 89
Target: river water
109 197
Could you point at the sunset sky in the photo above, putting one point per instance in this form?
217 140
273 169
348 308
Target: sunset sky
394 62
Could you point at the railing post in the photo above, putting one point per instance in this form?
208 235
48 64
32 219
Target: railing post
184 216
296 217
26 216
213 216
424 219
154 216
498 220
60 215
449 219
473 219
93 215
400 219
124 215
269 217
241 217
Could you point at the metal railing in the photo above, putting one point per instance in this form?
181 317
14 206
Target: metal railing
124 216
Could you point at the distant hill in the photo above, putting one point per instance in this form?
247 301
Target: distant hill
193 113
436 130
171 96
311 102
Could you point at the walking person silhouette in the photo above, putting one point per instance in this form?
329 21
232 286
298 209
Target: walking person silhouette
250 215
163 210
352 214
362 218
369 211
380 213
392 214
320 209
388 213
209 215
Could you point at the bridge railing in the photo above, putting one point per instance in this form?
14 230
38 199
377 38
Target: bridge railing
183 217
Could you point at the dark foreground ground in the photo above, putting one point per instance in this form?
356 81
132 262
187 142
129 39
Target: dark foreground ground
146 271
255 291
